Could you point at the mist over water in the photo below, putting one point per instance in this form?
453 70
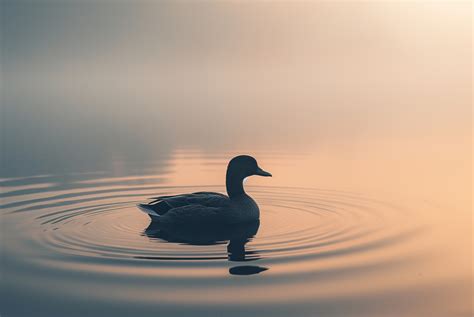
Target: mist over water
361 111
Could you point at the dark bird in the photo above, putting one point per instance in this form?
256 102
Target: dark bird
208 207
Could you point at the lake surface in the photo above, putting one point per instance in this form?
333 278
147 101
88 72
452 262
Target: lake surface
78 245
364 121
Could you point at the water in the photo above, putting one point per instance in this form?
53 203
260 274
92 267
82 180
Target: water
361 111
81 246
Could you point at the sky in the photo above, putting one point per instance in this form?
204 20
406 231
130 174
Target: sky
88 81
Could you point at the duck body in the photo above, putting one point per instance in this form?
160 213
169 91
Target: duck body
209 207
202 207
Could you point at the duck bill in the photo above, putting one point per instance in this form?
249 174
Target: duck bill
262 172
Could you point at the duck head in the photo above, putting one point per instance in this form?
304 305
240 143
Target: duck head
239 168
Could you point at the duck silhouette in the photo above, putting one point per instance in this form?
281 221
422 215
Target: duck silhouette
208 207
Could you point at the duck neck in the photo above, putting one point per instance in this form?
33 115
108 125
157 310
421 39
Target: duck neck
234 185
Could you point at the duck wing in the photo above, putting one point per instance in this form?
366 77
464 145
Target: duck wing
198 203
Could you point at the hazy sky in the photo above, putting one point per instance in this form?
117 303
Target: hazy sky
85 80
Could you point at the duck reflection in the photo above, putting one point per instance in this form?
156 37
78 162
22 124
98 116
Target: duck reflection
237 236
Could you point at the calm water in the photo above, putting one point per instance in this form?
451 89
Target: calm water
360 110
77 244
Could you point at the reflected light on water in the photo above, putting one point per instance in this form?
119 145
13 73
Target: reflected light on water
314 245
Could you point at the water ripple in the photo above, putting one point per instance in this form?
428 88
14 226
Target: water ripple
304 236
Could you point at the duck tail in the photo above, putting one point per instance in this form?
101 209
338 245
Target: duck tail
149 210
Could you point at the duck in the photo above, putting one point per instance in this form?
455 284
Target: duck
208 208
